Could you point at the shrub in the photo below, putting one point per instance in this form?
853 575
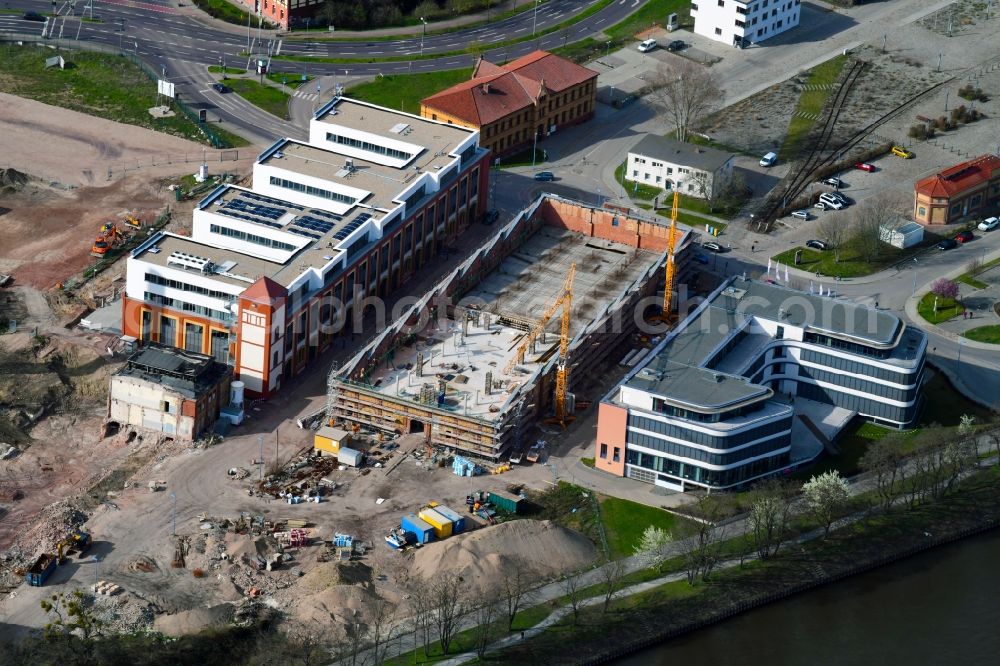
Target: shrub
198 573
918 131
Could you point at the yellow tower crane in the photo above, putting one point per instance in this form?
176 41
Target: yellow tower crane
537 329
668 290
562 369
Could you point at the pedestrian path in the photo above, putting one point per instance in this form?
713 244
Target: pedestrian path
302 94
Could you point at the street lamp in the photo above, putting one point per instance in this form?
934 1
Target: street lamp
121 33
607 51
423 33
307 25
534 149
534 19
173 498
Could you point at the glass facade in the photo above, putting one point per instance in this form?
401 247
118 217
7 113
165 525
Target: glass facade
705 439
673 471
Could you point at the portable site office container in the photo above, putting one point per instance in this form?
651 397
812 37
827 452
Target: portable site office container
457 521
442 526
505 502
417 529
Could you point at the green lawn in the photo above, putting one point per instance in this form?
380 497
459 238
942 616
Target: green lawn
294 80
268 98
225 11
853 443
103 85
636 190
990 334
810 102
944 405
215 69
625 521
622 33
946 308
404 91
231 140
850 265
589 462
971 281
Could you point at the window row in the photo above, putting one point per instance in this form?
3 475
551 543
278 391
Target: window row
858 384
368 146
681 451
705 439
251 238
863 406
673 471
184 286
857 367
184 306
312 191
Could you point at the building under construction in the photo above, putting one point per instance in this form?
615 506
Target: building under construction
476 360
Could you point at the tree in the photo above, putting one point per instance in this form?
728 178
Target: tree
684 92
71 612
448 606
826 496
572 587
725 192
381 627
612 574
486 613
995 438
945 288
883 459
516 589
421 605
767 521
835 233
652 546
705 536
882 210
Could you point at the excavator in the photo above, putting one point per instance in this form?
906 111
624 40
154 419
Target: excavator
111 237
75 542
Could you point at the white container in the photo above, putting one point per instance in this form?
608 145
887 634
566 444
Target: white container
236 393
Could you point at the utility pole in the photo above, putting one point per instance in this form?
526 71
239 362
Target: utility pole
260 461
173 499
423 33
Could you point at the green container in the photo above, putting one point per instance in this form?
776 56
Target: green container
506 502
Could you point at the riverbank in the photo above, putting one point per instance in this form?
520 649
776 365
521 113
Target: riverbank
646 619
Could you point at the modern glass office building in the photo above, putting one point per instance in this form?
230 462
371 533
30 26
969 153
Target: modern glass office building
711 405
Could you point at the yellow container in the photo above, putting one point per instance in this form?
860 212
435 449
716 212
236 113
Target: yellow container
442 526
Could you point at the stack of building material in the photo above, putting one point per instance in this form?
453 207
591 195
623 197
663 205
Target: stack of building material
342 540
463 467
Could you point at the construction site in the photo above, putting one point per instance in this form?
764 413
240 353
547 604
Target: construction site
494 347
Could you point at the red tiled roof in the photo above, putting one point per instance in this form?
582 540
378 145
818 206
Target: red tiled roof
959 178
513 87
265 291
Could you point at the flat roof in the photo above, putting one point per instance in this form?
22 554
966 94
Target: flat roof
188 373
694 387
245 270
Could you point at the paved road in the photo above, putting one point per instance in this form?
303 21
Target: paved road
183 41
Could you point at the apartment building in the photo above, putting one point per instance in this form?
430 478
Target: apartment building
744 22
713 405
284 13
271 275
533 96
969 189
675 165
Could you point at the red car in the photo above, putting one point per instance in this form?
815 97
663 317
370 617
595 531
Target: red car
964 236
864 166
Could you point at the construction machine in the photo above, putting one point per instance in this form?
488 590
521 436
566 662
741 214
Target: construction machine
75 542
133 221
111 237
668 290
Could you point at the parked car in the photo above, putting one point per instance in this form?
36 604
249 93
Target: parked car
947 244
817 245
768 160
713 247
545 175
831 201
821 205
801 214
221 88
899 151
833 181
964 236
33 16
647 45
837 196
989 224
864 166
676 45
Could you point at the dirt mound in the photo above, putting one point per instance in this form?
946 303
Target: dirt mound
194 621
483 557
329 574
12 180
331 609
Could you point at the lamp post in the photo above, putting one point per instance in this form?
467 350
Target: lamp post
173 500
121 33
423 33
307 25
534 19
607 51
534 149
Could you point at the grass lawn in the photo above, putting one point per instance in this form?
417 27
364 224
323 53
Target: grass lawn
946 308
944 405
852 443
589 462
103 85
224 11
653 12
636 190
850 265
231 140
696 221
625 521
990 334
215 69
810 102
404 91
294 79
523 158
268 98
969 278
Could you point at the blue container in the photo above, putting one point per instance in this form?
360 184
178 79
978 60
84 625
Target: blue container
457 520
417 529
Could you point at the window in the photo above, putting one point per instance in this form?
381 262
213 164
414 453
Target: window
367 146
722 3
694 7
617 457
192 337
921 211
718 31
635 173
780 332
614 221
740 24
659 179
309 189
250 238
604 451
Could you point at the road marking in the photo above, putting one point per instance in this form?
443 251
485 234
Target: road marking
278 50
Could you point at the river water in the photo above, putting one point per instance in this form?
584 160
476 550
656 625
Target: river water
939 607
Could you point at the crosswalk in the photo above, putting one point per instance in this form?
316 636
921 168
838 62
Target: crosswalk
302 94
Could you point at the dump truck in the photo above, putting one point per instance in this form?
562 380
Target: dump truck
41 570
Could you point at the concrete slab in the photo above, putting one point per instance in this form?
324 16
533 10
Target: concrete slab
107 319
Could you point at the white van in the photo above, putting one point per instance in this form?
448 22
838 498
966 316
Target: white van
647 45
768 160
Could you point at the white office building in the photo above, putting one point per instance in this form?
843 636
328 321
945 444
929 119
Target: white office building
744 22
675 165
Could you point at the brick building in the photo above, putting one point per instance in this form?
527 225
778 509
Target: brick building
969 189
537 93
284 13
271 276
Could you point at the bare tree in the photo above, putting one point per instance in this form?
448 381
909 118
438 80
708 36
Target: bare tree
684 92
885 461
706 535
516 589
835 233
448 607
421 605
382 627
770 510
612 574
572 587
882 210
486 614
995 438
720 191
348 652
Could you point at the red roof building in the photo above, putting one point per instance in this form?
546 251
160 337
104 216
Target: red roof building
537 93
965 190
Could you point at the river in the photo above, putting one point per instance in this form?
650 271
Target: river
939 607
